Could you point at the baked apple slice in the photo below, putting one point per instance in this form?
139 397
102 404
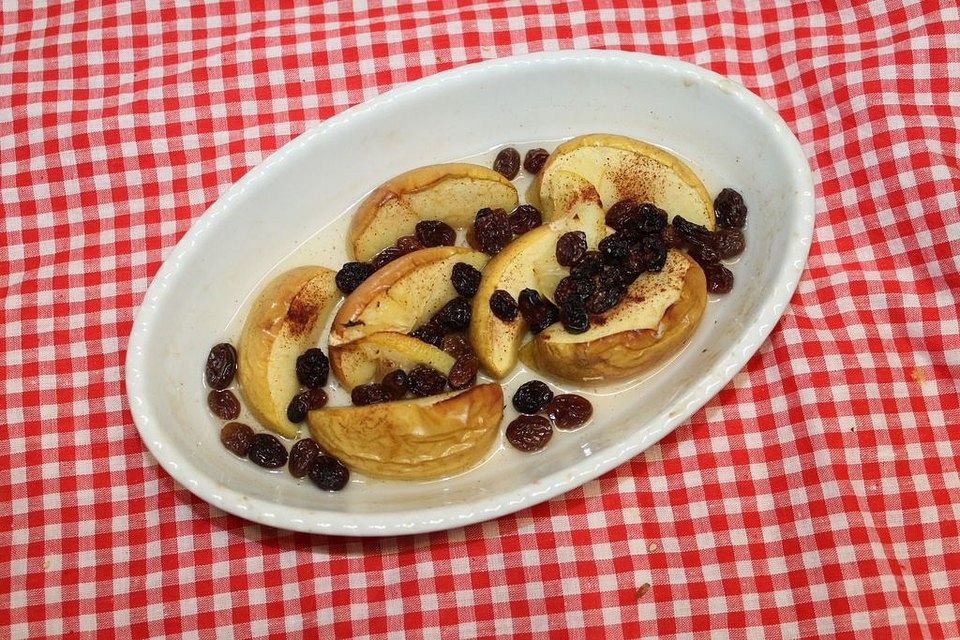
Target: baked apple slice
656 316
286 319
367 337
452 193
624 168
530 262
413 439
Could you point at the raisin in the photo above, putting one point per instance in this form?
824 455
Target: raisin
315 398
223 404
623 216
396 383
569 411
435 233
408 244
456 345
532 396
572 287
503 305
613 249
302 455
267 451
529 433
730 243
654 253
453 316
652 219
534 160
313 368
370 393
537 311
328 473
221 366
492 231
298 408
719 278
588 266
605 298
352 275
704 254
426 381
730 209
571 248
672 237
507 163
692 232
525 217
611 276
236 437
573 315
465 279
430 333
464 372
385 257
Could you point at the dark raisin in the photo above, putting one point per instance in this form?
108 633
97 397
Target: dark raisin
492 232
654 252
236 437
529 433
534 160
426 381
316 398
652 219
435 233
298 408
704 254
730 243
730 209
613 249
588 266
573 315
430 333
352 275
623 216
408 244
483 213
370 393
465 279
328 473
385 257
503 305
223 404
611 276
532 396
605 298
221 366
507 163
464 372
719 278
454 315
537 311
693 232
302 455
267 451
396 383
672 237
456 345
525 217
313 368
571 248
572 287
569 411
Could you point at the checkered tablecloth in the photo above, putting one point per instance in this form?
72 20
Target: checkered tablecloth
817 495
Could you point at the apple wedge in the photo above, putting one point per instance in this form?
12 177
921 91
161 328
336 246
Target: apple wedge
530 262
657 315
621 168
286 319
413 439
367 337
452 193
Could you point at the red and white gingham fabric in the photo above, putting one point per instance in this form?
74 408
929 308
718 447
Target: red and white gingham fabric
817 495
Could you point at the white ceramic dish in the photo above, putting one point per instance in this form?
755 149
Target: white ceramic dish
264 221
